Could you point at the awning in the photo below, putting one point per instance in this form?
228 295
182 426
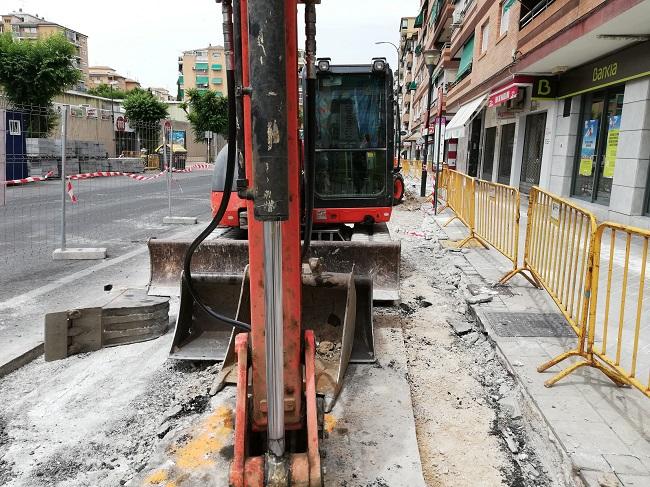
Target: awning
456 127
509 91
419 20
466 58
413 137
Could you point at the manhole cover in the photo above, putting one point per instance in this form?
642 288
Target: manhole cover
528 324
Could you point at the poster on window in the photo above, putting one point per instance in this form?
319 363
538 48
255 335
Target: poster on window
589 135
612 146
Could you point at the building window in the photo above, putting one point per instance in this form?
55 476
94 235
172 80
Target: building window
485 36
216 55
506 6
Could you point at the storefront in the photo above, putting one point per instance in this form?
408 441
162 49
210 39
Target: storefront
609 163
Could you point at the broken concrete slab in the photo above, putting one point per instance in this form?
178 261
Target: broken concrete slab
461 327
479 298
129 316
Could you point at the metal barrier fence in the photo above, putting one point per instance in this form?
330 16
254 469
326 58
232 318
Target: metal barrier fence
557 252
461 198
618 325
596 275
112 212
497 218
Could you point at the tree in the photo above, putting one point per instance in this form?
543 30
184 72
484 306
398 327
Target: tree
206 111
105 91
34 72
144 112
142 107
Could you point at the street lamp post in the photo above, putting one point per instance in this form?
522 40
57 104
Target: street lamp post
398 110
431 58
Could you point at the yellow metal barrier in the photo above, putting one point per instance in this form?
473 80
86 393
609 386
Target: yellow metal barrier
619 310
559 237
497 218
462 201
443 183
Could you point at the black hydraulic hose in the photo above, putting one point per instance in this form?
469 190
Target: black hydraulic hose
310 122
227 190
310 162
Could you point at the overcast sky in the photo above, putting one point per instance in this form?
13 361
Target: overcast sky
142 39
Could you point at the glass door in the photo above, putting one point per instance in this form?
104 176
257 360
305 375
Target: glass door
474 147
531 164
488 153
505 152
598 145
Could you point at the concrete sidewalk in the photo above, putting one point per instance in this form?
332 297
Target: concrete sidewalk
603 429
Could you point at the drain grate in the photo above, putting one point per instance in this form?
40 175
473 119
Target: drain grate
528 324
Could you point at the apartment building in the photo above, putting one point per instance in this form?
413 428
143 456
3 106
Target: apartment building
26 27
554 93
203 69
105 75
405 77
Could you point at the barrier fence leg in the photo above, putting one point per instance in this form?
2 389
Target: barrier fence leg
170 219
65 253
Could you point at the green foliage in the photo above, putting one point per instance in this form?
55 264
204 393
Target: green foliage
34 72
142 108
206 111
144 112
105 91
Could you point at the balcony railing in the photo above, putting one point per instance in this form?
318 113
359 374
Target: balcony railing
536 9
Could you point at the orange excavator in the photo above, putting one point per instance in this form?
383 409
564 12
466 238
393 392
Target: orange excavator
287 323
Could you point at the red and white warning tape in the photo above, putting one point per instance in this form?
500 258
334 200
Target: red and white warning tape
32 179
70 191
136 177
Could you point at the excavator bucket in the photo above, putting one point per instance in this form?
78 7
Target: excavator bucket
371 254
338 307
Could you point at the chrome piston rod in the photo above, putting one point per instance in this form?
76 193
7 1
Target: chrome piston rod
274 345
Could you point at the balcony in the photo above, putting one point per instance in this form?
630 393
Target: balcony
531 9
217 81
181 80
216 67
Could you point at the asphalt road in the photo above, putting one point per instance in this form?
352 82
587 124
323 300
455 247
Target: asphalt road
116 212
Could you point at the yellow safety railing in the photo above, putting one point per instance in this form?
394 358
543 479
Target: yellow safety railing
496 219
443 185
462 201
559 238
619 309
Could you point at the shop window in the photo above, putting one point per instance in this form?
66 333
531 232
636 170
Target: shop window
485 36
595 160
